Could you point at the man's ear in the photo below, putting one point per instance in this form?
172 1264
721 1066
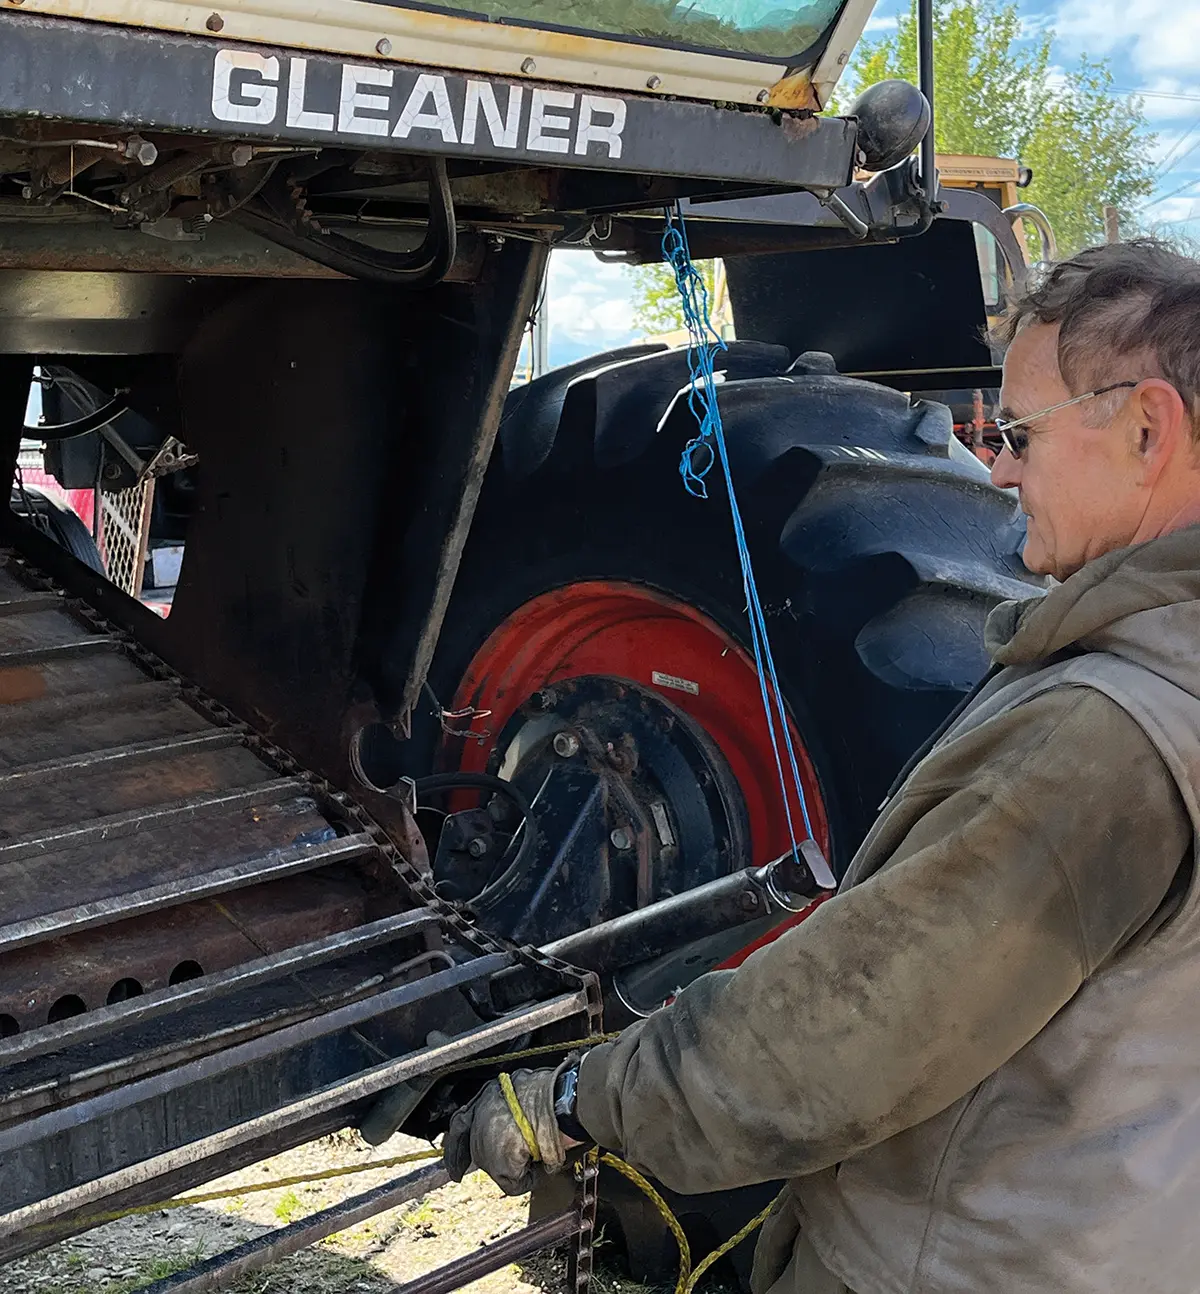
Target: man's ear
1162 426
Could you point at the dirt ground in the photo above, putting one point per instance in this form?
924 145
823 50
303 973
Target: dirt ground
374 1257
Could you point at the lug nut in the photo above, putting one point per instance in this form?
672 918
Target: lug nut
477 847
621 838
566 744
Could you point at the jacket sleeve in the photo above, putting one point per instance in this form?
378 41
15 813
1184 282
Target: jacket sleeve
903 993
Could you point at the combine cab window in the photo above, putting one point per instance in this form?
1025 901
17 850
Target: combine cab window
768 29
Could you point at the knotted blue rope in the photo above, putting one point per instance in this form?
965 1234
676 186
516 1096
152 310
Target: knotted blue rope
699 455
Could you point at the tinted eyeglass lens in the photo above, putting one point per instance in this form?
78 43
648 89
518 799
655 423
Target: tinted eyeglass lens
1014 441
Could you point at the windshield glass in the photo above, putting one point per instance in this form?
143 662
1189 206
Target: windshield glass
765 28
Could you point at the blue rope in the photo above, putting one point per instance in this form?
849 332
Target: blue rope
699 455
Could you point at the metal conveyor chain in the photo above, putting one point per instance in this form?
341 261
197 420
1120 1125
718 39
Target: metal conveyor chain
207 953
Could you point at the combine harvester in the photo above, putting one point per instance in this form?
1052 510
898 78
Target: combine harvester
451 740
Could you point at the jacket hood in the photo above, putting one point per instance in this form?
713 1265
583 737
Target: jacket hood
1141 602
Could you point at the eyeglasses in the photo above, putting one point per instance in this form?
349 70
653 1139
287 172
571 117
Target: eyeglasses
1017 442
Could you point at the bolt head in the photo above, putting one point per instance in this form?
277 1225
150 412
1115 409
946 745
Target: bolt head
141 150
749 901
27 191
653 82
477 847
214 22
762 96
383 46
529 67
242 155
622 838
566 744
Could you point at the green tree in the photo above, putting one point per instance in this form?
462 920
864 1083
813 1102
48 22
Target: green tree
996 95
656 307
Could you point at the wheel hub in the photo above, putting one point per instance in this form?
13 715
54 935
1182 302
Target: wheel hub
632 802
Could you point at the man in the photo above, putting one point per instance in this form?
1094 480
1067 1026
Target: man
979 1064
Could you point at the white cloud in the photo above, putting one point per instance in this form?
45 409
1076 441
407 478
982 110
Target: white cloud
1172 210
1160 36
589 301
881 22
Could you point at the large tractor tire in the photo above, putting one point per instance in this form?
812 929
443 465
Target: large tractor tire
59 521
879 547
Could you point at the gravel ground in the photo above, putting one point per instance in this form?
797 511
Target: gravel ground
371 1258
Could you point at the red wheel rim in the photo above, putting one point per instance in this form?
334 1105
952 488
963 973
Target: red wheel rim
632 632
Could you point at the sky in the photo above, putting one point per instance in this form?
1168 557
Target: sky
1151 45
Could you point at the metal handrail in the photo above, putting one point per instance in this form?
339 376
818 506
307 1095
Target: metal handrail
1040 221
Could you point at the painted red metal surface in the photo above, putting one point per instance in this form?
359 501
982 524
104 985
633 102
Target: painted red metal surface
81 502
634 632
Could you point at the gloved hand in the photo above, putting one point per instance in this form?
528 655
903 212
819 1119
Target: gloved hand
485 1134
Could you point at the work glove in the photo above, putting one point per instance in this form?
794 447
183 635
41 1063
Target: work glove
486 1134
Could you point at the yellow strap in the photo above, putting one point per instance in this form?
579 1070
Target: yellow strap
520 1118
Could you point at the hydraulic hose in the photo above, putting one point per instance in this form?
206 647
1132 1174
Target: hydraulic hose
422 267
88 423
500 885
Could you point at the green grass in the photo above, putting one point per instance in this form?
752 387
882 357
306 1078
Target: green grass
156 1269
289 1207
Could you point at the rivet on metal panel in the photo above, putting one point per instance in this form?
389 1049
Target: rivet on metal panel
653 82
214 22
528 67
762 96
383 46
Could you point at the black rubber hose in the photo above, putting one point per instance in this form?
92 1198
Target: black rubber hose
84 426
474 782
494 889
425 265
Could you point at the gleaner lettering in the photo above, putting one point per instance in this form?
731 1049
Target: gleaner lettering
369 100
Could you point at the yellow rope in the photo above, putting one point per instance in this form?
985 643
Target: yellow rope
230 1192
688 1276
685 1250
732 1243
594 1040
520 1118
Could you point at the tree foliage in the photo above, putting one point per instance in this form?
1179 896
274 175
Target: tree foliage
999 94
656 305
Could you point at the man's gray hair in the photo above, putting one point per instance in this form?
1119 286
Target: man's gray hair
1126 311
